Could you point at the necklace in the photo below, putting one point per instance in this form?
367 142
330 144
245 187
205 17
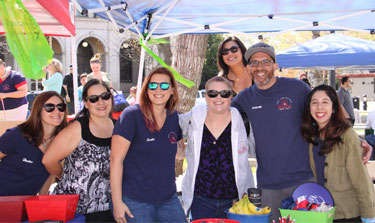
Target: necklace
44 143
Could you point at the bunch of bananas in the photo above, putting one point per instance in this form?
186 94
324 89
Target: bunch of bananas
244 206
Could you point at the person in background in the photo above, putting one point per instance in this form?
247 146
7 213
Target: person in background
370 138
345 98
55 80
13 91
69 89
306 81
85 145
232 65
132 96
82 77
96 65
217 151
144 147
22 147
336 156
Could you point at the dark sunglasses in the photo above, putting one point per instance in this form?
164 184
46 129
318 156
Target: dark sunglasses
233 49
223 93
163 85
95 98
51 107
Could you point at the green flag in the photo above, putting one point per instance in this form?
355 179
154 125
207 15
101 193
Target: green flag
177 76
25 39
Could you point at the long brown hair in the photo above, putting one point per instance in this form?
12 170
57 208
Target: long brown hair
32 128
336 126
146 104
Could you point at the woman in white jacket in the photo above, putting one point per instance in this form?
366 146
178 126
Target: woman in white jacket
218 170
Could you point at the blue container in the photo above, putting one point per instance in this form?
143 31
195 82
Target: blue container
249 218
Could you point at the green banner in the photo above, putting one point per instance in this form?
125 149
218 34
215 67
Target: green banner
25 39
177 76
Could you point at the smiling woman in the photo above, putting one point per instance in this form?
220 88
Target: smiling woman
144 147
84 145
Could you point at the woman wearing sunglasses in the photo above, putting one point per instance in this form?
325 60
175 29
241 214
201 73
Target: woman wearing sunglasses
144 146
218 170
232 65
85 145
96 66
22 147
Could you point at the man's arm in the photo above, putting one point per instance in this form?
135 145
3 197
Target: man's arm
21 92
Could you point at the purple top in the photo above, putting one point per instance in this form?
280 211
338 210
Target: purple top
215 177
319 163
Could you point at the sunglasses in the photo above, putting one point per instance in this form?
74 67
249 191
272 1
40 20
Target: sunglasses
163 85
255 63
225 51
95 98
51 107
223 93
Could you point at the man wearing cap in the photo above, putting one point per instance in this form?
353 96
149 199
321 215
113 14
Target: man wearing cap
275 106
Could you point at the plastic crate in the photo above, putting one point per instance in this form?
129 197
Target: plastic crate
250 218
51 207
12 208
214 220
309 216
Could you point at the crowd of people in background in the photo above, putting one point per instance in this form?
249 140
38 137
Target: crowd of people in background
124 170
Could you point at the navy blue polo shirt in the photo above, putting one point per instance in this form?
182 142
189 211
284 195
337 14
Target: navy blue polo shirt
21 171
11 84
148 173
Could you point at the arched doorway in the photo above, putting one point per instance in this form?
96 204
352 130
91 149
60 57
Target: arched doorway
86 50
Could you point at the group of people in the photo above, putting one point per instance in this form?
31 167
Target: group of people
124 171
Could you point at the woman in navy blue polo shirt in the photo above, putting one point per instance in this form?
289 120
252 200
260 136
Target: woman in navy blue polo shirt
144 146
22 147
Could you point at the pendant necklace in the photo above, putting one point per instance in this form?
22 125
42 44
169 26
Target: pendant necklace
44 143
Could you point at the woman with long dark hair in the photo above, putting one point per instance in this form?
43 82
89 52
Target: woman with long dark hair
232 64
85 145
22 147
144 146
336 156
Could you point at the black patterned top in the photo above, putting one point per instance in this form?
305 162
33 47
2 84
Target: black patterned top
86 172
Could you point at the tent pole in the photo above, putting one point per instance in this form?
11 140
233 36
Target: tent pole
140 73
75 65
332 78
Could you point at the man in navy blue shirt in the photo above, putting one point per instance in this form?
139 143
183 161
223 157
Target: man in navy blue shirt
274 107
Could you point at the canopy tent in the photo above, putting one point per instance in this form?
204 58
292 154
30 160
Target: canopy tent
55 18
330 52
163 18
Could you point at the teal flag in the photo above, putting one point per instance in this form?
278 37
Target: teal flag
25 39
177 76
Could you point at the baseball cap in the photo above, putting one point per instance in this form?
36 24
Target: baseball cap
260 47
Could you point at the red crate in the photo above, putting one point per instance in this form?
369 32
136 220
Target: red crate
51 207
12 208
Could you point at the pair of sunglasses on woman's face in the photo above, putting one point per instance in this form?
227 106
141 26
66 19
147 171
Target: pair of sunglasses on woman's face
95 98
233 49
163 85
49 107
222 93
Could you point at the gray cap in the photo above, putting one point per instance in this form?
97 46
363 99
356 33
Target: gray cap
260 47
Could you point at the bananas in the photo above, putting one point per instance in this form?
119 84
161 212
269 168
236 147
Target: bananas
244 206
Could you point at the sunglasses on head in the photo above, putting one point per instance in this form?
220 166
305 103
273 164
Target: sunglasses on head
95 98
163 85
225 51
51 107
222 93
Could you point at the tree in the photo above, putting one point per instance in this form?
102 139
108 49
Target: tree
210 64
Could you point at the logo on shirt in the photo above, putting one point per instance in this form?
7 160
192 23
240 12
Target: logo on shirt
150 139
284 103
172 136
256 107
6 87
27 161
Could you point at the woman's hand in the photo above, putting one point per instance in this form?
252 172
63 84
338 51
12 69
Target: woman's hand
119 212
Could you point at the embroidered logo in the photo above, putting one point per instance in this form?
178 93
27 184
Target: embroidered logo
256 107
150 139
172 136
6 87
284 103
27 161
242 147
